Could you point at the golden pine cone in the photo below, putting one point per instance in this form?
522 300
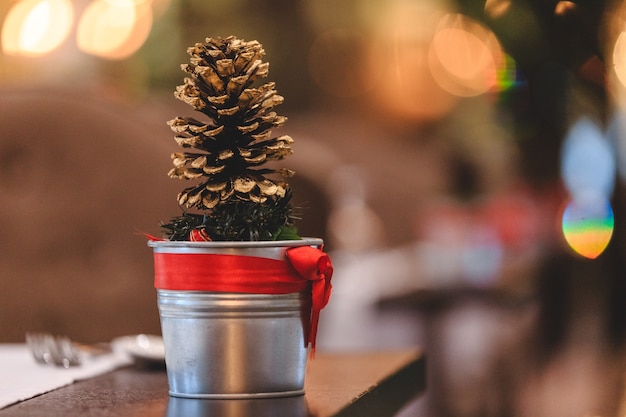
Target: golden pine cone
237 137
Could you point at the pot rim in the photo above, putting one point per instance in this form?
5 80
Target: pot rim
305 241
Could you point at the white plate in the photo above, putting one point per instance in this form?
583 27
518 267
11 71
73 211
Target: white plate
141 346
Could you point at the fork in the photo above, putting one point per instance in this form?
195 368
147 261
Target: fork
60 351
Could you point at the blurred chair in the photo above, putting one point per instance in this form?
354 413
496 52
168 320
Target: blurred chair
80 180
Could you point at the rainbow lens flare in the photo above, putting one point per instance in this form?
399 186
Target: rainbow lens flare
507 74
588 226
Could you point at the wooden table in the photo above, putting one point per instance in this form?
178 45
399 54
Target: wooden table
337 385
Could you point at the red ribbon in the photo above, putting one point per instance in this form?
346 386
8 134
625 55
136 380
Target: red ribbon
247 274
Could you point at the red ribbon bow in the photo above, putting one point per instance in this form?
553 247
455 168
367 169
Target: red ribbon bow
233 273
313 265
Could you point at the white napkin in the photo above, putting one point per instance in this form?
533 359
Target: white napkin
22 378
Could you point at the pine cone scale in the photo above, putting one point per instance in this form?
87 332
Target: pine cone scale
225 67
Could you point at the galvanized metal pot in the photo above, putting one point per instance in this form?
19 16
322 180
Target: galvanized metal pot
233 344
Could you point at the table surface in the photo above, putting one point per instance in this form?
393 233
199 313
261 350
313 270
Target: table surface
336 385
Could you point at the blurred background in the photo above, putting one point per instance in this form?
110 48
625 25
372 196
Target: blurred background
463 161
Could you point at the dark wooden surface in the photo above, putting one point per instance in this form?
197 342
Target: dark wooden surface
340 385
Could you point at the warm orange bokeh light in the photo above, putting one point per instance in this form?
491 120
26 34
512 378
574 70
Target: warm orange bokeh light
407 88
563 7
114 29
619 58
464 56
497 8
36 27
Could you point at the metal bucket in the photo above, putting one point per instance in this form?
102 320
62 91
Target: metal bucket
234 345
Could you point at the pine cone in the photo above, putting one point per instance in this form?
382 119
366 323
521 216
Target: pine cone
236 140
225 155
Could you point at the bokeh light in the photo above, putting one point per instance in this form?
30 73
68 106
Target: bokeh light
619 58
588 226
407 88
588 161
614 53
114 29
588 170
465 57
497 8
414 60
36 27
564 7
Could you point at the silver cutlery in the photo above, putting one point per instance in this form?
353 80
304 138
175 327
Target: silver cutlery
60 351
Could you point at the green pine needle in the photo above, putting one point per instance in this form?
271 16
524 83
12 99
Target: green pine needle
239 221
